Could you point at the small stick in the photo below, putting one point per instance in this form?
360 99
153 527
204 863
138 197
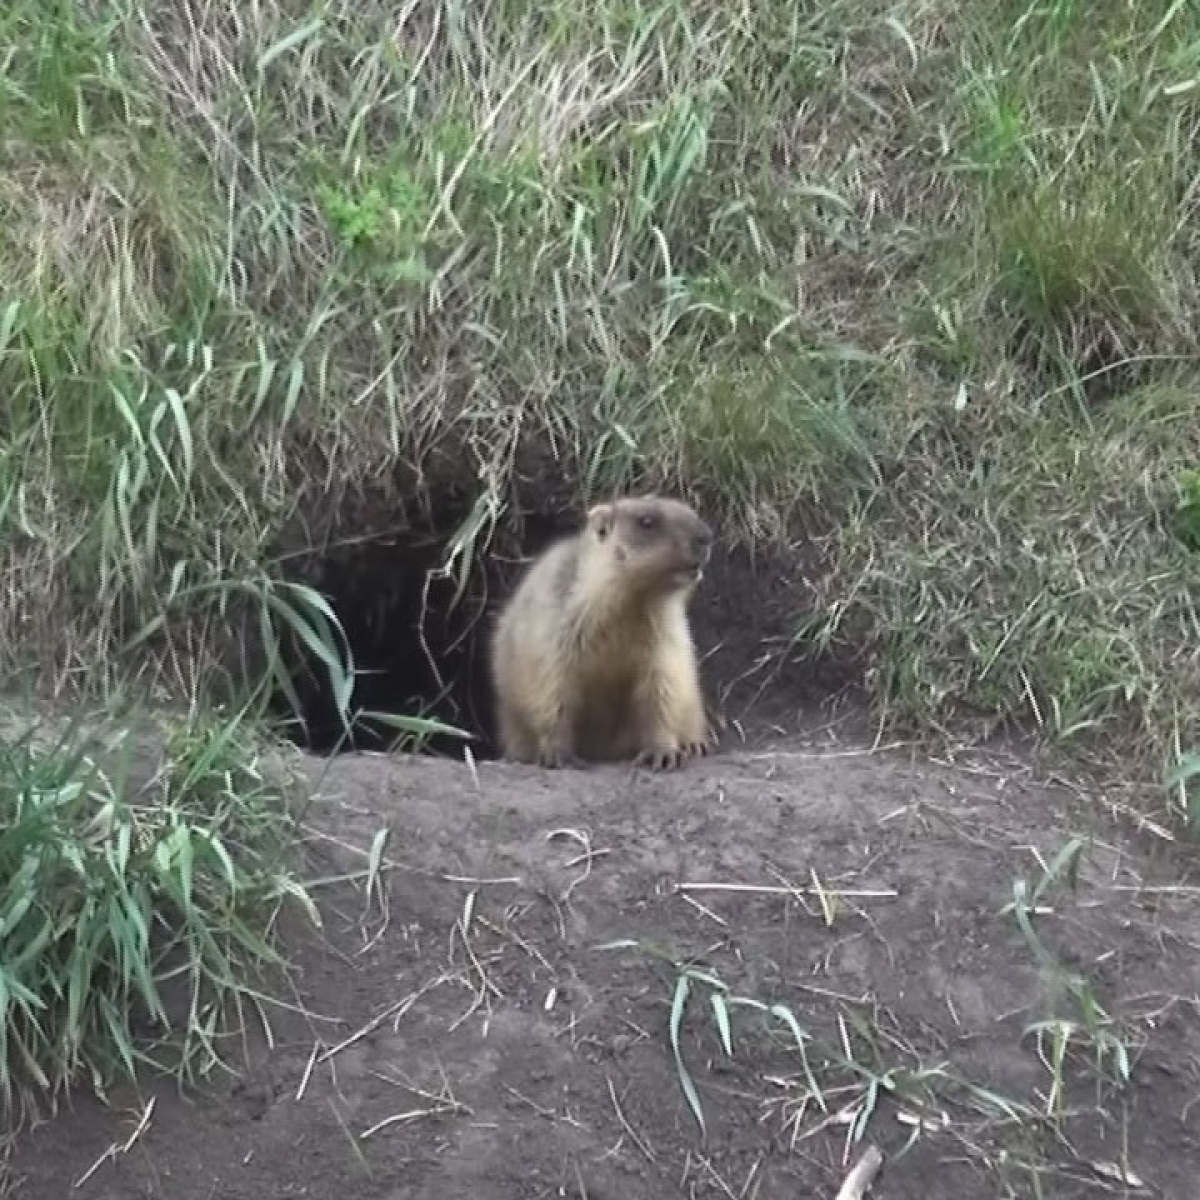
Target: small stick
855 752
115 1149
862 1175
308 1070
708 912
767 889
637 1141
393 864
412 1115
373 1024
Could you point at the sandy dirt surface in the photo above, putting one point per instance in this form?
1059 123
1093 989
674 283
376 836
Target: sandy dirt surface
470 1031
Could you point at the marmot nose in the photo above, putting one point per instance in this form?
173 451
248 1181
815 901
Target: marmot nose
702 539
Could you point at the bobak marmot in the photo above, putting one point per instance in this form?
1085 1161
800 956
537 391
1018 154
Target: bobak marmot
592 657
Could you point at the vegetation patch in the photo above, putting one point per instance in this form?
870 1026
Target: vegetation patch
140 888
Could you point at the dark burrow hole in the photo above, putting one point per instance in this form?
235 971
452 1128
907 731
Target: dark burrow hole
419 642
420 651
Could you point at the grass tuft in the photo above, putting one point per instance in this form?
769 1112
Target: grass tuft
138 899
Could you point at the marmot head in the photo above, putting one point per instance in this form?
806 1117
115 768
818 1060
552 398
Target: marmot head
657 543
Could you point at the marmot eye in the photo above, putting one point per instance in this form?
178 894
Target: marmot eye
647 520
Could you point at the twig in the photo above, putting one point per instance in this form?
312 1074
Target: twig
862 1175
403 1117
393 864
308 1070
400 1007
117 1148
637 1141
854 752
703 908
767 889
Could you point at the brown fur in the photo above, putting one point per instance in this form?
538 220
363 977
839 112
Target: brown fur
592 658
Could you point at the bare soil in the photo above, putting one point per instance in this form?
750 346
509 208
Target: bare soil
468 1033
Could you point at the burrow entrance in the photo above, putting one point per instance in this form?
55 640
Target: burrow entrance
419 638
418 635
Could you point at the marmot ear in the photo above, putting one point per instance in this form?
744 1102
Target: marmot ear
600 520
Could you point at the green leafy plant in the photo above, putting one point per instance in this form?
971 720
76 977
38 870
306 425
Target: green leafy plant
139 889
1090 1026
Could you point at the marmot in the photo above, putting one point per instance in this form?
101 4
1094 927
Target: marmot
592 657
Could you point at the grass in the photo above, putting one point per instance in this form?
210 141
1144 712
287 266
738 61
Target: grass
1088 1024
142 881
863 1063
837 1062
826 1053
915 278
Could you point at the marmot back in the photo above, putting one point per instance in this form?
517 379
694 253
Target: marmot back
592 657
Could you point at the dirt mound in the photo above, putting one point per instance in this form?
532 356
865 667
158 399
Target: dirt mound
471 1031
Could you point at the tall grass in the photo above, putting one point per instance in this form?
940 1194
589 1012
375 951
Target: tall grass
917 278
